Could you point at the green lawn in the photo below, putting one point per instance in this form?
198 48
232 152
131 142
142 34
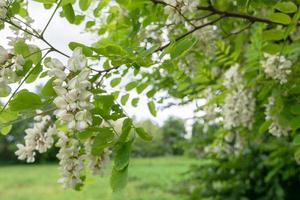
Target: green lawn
149 179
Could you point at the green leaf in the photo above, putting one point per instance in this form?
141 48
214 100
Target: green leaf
103 140
280 18
273 34
5 90
181 47
143 134
264 127
34 73
124 99
90 24
142 87
65 2
127 125
295 109
286 7
131 85
87 51
69 13
46 1
87 133
122 155
151 93
118 179
84 4
25 100
114 82
48 90
152 109
21 48
296 141
134 102
5 130
295 123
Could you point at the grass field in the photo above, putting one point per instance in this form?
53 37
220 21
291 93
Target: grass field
149 179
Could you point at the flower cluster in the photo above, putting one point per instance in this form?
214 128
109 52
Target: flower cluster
277 67
177 8
9 66
3 11
239 108
275 128
239 105
39 138
71 161
72 87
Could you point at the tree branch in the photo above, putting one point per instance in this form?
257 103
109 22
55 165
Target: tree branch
250 18
190 32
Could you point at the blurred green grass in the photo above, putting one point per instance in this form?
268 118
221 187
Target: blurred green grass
149 179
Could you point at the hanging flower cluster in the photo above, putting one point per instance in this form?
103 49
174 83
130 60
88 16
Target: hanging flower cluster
71 161
73 103
3 11
275 128
39 138
239 105
277 67
177 8
8 71
72 87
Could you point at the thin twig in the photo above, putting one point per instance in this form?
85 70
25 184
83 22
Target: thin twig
48 23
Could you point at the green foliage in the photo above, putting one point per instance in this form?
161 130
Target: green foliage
142 48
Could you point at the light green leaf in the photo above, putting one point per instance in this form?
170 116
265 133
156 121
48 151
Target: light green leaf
152 109
25 100
84 4
143 134
69 13
286 7
131 85
103 140
280 18
273 34
122 155
114 82
118 179
124 99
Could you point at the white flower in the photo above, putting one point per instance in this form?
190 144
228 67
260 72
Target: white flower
19 62
277 67
232 77
71 161
25 153
73 100
5 90
239 108
3 55
78 61
275 128
39 137
3 9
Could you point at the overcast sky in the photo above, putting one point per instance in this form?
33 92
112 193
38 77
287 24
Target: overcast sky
60 33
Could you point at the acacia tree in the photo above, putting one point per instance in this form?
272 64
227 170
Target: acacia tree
241 56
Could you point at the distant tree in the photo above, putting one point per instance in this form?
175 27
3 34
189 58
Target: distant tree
142 148
173 132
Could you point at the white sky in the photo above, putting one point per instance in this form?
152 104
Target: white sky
60 33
